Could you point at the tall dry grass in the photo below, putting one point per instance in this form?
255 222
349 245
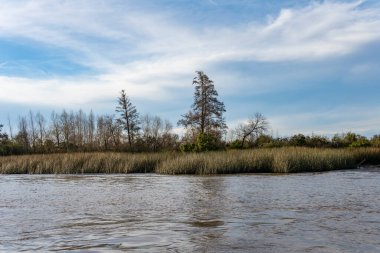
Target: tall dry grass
81 163
280 160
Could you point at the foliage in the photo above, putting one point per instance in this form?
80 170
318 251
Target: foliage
3 136
375 141
206 142
236 144
188 147
350 140
264 140
298 140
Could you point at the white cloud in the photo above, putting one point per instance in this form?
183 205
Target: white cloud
148 53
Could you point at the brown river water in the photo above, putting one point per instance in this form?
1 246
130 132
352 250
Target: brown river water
311 212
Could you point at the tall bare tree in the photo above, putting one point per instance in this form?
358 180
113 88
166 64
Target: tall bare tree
206 114
23 136
56 128
10 127
129 117
65 128
33 131
91 128
41 124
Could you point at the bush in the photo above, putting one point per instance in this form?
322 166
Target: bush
206 142
187 147
236 144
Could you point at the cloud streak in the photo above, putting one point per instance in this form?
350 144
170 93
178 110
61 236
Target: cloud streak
149 53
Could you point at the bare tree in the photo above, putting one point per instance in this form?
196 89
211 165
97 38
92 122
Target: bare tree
41 124
33 132
169 139
108 132
256 125
80 119
23 135
102 135
129 117
65 126
91 128
154 130
56 128
10 127
206 114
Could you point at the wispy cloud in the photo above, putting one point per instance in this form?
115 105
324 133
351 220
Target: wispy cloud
148 52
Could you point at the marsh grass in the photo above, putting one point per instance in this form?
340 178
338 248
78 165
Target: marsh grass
81 163
280 160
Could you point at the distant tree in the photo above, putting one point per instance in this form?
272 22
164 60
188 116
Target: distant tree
10 127
7 146
317 141
350 139
298 140
32 131
254 127
41 123
65 123
375 141
129 117
264 140
108 132
91 128
206 114
56 128
360 141
3 136
22 138
157 133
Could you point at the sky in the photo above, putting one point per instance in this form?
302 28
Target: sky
310 67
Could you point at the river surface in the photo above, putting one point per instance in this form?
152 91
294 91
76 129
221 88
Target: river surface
312 212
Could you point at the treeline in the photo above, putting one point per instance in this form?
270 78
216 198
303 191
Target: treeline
204 123
344 140
81 132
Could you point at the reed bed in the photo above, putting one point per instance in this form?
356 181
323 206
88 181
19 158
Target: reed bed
81 163
279 160
282 160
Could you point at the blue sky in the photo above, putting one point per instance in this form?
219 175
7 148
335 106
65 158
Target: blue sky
308 66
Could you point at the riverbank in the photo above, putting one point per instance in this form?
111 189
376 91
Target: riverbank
279 160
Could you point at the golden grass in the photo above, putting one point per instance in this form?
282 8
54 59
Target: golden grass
283 160
81 163
279 160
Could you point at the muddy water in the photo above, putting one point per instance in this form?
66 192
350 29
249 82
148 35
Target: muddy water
320 212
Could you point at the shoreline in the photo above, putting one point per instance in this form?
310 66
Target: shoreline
276 160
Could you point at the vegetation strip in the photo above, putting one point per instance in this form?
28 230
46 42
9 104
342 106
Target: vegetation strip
277 160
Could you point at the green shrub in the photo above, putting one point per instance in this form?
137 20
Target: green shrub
206 142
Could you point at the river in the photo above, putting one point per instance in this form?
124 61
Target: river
312 212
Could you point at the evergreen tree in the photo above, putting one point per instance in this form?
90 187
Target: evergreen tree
206 114
129 117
